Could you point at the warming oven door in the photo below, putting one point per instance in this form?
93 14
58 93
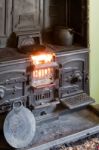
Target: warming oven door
26 15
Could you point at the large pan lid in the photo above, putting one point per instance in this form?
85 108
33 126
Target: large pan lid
19 127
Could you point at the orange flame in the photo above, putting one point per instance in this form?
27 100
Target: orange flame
41 73
42 58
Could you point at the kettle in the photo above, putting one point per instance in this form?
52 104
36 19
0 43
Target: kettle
63 36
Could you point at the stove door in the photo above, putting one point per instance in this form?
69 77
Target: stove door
73 73
12 84
26 15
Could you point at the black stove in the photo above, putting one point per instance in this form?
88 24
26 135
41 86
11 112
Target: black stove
44 66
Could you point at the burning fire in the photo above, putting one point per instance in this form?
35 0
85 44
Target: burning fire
42 76
42 58
41 73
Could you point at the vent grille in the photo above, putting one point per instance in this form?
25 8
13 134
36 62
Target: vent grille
43 96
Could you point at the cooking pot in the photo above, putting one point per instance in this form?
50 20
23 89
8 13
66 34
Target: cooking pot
19 126
63 36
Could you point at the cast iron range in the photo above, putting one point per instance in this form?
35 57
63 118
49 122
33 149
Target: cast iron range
53 86
44 74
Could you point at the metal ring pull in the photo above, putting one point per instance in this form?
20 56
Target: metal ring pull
17 105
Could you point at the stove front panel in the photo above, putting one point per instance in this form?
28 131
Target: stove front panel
70 78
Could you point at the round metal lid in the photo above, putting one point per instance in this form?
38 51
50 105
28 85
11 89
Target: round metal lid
19 127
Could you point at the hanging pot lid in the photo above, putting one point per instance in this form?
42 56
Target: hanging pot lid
19 126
